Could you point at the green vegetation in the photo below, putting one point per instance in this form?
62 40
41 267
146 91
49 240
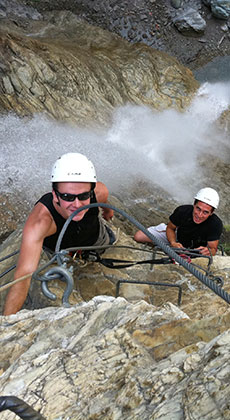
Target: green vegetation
227 228
226 248
225 239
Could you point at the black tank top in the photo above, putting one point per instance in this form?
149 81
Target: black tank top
82 233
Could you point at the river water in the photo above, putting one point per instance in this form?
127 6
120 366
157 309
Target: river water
163 148
217 70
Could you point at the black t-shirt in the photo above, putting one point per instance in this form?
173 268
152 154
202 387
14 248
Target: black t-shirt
82 233
191 234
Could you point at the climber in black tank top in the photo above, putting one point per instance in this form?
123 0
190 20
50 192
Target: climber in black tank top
74 185
82 233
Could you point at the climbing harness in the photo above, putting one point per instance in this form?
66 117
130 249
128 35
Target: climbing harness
62 258
19 407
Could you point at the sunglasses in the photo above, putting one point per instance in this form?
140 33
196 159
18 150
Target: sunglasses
71 197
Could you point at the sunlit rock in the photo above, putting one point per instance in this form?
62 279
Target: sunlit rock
136 355
89 361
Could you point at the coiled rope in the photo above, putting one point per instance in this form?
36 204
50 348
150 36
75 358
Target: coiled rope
169 251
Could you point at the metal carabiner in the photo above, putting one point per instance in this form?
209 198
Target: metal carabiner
62 274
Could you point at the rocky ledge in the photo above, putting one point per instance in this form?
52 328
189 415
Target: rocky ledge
193 31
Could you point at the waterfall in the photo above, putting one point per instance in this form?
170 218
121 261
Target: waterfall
161 147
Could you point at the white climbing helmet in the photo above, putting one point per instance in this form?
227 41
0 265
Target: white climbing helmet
208 196
73 167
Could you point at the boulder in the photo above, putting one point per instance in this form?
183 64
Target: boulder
220 8
190 22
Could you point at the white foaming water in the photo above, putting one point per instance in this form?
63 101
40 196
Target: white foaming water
162 147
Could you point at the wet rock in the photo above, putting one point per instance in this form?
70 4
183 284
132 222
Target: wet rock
14 9
50 70
220 8
176 3
190 22
111 15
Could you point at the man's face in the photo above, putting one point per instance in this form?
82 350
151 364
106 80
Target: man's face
201 212
66 208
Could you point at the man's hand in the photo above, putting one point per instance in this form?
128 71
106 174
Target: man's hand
203 250
176 245
107 213
171 235
210 249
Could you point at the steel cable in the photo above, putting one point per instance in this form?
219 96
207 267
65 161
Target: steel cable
19 407
169 251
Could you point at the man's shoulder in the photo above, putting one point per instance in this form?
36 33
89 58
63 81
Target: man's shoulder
101 192
46 201
214 219
39 222
182 214
45 198
183 209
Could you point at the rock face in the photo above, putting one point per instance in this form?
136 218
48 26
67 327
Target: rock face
137 356
95 360
152 22
78 73
219 8
55 63
131 357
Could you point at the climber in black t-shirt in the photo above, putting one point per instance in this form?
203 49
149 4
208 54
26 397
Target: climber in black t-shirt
191 226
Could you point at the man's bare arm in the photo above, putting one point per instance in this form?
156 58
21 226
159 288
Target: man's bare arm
102 194
141 237
34 232
171 235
